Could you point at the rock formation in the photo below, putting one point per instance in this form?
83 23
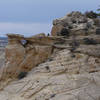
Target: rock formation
23 54
52 67
74 23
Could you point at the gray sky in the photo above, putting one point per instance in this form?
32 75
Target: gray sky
34 16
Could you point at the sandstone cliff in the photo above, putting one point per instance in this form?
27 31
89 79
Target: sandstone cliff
52 67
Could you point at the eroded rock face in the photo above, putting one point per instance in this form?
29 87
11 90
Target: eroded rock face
24 54
75 23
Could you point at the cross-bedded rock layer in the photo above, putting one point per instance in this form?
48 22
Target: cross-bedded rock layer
51 68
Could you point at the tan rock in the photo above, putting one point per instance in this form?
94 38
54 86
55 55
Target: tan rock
56 30
22 57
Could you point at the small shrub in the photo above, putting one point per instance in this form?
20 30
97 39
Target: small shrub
98 31
53 95
50 59
74 21
70 27
72 49
73 56
22 75
91 14
47 68
89 41
64 32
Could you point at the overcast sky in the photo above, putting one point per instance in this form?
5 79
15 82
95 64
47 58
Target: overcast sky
30 17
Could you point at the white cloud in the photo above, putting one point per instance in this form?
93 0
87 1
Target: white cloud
26 29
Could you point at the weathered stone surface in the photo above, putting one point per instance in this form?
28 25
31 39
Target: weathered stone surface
62 78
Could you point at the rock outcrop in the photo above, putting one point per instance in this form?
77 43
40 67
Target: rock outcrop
52 67
74 23
22 54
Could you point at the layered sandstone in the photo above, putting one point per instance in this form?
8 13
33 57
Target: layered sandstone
52 67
